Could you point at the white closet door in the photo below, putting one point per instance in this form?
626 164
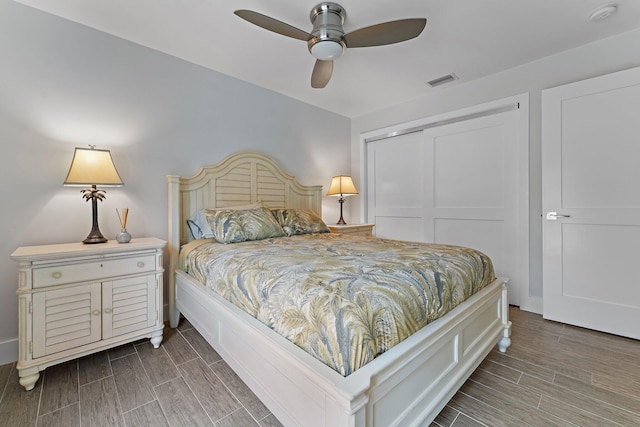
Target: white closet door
396 187
454 184
472 190
590 181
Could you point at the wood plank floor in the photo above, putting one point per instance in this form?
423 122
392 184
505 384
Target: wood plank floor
183 383
552 375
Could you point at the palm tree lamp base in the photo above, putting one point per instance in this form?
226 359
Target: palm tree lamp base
95 236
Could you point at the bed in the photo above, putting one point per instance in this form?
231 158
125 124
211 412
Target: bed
407 385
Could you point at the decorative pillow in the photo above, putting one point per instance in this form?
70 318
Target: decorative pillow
195 230
299 221
233 226
199 226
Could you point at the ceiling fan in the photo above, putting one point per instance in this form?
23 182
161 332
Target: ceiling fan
328 41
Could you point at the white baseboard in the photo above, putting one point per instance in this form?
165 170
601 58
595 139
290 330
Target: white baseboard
165 312
8 351
533 304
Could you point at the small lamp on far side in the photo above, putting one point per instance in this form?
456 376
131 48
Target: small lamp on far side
92 167
342 185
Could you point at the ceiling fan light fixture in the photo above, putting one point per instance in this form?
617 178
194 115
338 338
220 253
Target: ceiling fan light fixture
328 41
327 50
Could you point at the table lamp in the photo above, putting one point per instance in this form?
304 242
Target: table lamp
93 167
341 185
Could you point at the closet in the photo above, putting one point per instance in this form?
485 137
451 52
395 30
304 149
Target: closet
460 179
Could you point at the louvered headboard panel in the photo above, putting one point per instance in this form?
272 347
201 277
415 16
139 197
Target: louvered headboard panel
240 179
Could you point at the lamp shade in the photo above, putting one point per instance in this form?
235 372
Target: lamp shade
93 167
342 185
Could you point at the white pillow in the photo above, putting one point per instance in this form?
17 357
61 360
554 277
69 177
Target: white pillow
199 226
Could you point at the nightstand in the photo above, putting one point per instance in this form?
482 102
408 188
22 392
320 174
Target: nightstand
353 229
76 299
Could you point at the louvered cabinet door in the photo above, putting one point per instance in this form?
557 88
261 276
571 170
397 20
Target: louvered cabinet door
128 305
66 318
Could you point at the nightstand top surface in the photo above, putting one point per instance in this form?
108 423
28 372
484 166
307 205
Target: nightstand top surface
78 248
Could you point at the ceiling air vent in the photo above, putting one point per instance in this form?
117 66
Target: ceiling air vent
442 80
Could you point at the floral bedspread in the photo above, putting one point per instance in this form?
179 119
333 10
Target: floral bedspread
345 300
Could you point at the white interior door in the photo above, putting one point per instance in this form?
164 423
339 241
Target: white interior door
591 200
455 184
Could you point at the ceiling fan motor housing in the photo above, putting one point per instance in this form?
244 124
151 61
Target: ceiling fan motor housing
327 42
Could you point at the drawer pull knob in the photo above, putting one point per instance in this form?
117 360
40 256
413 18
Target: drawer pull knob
56 274
96 312
140 264
107 310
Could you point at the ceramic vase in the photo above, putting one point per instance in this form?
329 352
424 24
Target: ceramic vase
123 236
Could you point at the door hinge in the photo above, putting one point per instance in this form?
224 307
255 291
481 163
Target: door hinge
30 347
156 315
30 307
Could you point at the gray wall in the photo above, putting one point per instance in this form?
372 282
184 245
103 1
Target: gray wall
64 85
591 60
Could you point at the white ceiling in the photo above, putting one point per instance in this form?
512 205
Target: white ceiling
471 38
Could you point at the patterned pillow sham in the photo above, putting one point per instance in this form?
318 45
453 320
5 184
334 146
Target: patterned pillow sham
299 221
199 226
234 226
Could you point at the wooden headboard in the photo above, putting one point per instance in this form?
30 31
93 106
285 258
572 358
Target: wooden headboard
240 179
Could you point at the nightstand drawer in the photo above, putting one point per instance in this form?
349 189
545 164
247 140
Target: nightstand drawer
94 270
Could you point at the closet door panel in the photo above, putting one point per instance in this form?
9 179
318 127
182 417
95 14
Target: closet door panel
456 183
472 199
396 187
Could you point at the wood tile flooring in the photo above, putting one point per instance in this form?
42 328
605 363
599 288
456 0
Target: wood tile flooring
552 375
183 383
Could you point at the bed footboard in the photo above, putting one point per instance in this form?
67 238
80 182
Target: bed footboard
408 385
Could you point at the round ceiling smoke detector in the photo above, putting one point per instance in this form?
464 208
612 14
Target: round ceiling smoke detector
603 13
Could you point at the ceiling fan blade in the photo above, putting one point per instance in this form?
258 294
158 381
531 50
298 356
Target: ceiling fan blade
271 24
321 74
386 33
